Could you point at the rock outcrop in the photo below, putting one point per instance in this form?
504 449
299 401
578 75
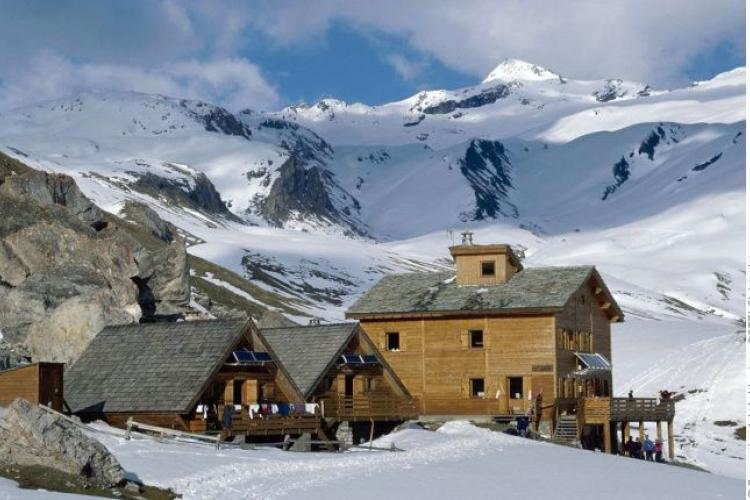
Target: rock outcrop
147 218
310 194
67 269
31 436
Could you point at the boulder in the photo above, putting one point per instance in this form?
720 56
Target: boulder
53 189
67 270
147 218
32 436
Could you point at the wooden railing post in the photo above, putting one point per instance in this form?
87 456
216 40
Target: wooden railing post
670 436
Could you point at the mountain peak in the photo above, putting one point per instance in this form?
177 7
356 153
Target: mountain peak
515 69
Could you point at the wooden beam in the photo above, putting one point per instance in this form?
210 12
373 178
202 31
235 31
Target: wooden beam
641 431
605 305
598 290
608 437
670 436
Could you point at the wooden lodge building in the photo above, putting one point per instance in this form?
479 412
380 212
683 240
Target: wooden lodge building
489 338
278 381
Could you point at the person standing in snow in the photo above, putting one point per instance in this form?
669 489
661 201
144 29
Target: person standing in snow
638 449
630 447
648 448
659 449
522 425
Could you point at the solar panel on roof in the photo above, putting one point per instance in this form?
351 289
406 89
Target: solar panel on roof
243 356
370 359
250 357
263 356
352 359
594 360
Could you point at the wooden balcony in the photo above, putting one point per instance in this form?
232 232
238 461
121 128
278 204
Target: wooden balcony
276 425
603 410
354 408
272 425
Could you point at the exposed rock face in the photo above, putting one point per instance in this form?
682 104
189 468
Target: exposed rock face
144 216
30 436
65 273
486 96
48 189
168 278
305 193
199 194
487 168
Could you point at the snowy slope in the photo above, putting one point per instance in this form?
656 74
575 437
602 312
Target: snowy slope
646 184
457 461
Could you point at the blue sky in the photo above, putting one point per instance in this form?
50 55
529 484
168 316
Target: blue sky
265 54
349 65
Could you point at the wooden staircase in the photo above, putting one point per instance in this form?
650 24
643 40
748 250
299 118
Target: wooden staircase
566 430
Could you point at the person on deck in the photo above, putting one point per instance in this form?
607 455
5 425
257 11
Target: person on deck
659 450
630 447
648 448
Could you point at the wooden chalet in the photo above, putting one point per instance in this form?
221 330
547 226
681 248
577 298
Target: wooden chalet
338 367
181 375
487 339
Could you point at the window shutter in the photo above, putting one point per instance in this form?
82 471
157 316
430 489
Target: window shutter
383 341
465 339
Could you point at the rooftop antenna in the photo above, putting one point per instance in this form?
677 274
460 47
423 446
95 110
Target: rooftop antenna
467 238
450 234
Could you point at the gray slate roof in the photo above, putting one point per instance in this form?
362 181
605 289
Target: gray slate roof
531 288
149 367
307 352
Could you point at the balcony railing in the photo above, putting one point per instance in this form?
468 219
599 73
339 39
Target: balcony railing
366 407
599 410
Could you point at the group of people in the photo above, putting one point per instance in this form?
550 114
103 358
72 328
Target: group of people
648 449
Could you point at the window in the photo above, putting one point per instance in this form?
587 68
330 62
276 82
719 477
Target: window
392 341
476 338
488 268
476 386
515 387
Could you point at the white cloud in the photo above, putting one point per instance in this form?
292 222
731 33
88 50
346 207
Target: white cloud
406 68
231 82
648 40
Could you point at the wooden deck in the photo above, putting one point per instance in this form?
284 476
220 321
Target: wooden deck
360 408
273 425
616 414
603 410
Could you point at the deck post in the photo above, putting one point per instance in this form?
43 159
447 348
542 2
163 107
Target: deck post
372 430
658 430
608 437
625 432
641 431
670 436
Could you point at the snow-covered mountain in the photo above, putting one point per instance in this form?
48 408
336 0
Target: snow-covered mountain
315 203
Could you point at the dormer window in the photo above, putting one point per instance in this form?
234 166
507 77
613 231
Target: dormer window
488 268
